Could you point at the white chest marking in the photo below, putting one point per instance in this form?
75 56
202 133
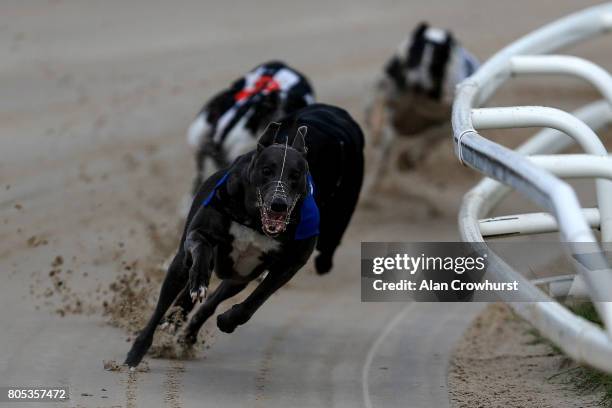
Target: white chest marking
248 245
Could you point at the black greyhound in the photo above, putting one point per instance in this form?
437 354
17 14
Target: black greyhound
266 212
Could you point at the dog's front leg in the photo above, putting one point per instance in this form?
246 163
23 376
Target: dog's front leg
199 257
225 290
241 313
173 283
279 274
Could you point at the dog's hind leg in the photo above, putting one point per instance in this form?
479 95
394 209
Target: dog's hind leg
224 291
175 280
336 215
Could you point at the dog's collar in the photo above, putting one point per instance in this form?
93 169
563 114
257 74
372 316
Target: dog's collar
308 226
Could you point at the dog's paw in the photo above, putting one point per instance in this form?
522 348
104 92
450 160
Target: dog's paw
136 353
232 318
198 294
225 323
132 360
323 264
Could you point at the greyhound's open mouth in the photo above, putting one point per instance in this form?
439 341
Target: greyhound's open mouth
274 222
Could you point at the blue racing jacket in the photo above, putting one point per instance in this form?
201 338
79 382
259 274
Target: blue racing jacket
308 226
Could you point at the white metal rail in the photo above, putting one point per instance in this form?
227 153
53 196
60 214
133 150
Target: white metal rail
538 177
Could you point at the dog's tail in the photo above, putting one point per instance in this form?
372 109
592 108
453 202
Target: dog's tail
197 131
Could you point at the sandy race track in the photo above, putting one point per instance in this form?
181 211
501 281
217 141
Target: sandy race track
96 97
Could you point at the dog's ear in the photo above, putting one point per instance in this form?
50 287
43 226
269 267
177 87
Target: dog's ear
419 31
268 136
299 142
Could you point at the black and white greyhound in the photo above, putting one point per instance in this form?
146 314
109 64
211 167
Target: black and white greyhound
228 124
267 211
413 97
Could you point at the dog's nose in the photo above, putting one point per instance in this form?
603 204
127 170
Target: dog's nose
278 205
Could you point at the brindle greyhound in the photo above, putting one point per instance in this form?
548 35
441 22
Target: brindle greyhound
266 212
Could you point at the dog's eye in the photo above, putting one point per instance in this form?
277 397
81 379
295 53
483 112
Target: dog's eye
266 171
293 176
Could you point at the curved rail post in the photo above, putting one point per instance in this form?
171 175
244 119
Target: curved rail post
565 65
578 338
532 116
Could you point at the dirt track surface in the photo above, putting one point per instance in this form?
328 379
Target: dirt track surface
501 363
96 98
